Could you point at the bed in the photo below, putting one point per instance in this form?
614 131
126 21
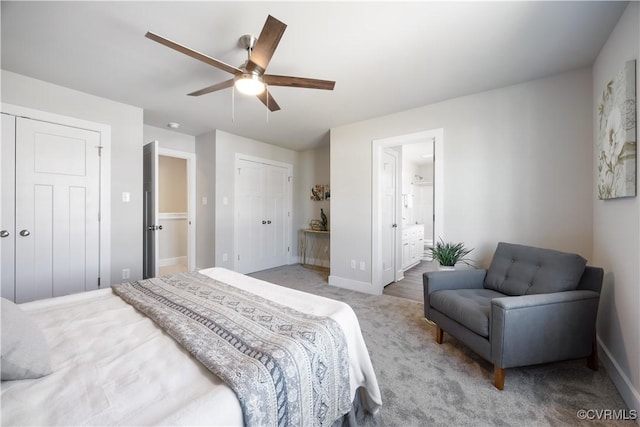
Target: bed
112 365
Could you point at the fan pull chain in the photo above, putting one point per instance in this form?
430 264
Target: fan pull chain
233 104
266 89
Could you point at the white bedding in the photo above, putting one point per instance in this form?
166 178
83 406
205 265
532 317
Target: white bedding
113 366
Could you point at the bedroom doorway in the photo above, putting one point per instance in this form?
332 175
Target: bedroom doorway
409 242
169 211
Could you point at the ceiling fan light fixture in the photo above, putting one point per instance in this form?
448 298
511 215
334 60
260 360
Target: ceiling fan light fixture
249 83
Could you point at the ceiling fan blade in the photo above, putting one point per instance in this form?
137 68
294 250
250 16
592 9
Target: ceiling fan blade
303 82
193 53
271 104
213 88
266 45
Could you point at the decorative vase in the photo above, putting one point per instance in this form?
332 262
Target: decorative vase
324 219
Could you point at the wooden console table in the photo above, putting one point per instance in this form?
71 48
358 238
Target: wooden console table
311 243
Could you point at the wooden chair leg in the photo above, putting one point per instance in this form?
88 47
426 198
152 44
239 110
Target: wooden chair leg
439 334
498 377
592 359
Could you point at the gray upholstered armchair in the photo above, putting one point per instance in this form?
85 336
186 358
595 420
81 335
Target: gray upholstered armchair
531 306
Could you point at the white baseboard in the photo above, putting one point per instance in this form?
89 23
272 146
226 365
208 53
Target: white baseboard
629 394
353 285
181 260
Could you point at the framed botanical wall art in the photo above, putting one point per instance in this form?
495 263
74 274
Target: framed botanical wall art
617 139
317 193
320 192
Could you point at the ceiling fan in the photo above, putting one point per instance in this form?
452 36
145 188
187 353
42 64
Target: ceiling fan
250 77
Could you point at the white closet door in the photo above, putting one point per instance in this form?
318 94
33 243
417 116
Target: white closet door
57 208
262 216
276 210
8 212
250 217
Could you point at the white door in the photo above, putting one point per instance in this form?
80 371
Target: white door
262 216
8 210
57 210
388 215
150 222
276 214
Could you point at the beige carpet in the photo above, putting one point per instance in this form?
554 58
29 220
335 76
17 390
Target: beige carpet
424 384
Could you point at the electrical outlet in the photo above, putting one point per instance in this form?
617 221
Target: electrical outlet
363 265
126 273
353 264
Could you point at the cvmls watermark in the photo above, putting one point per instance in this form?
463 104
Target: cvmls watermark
607 414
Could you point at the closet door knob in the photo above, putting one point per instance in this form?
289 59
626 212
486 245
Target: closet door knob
25 233
264 222
4 233
268 221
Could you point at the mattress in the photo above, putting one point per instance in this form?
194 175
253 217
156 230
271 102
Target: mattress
114 366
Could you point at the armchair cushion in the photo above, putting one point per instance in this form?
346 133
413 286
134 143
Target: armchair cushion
469 307
523 270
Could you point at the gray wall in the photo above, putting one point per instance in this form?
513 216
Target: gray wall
517 167
205 188
216 153
126 156
170 139
313 168
616 232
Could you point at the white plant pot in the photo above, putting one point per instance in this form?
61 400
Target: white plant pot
447 268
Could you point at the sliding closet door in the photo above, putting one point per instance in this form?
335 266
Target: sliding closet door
57 209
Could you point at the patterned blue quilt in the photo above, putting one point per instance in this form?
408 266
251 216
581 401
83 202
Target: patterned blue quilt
286 367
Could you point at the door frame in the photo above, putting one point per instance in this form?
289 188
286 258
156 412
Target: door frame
191 200
377 145
289 226
104 250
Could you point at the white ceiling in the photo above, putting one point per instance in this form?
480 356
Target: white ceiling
384 56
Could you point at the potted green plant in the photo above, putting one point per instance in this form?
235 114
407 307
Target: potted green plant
449 253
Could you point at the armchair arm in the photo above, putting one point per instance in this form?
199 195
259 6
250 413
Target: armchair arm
531 329
459 279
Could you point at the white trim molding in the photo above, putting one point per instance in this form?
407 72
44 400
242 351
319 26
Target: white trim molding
377 146
622 382
354 285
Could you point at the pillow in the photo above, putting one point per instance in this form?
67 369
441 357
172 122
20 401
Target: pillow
25 352
525 270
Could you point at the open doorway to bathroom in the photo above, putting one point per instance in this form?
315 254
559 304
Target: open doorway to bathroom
418 204
417 200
